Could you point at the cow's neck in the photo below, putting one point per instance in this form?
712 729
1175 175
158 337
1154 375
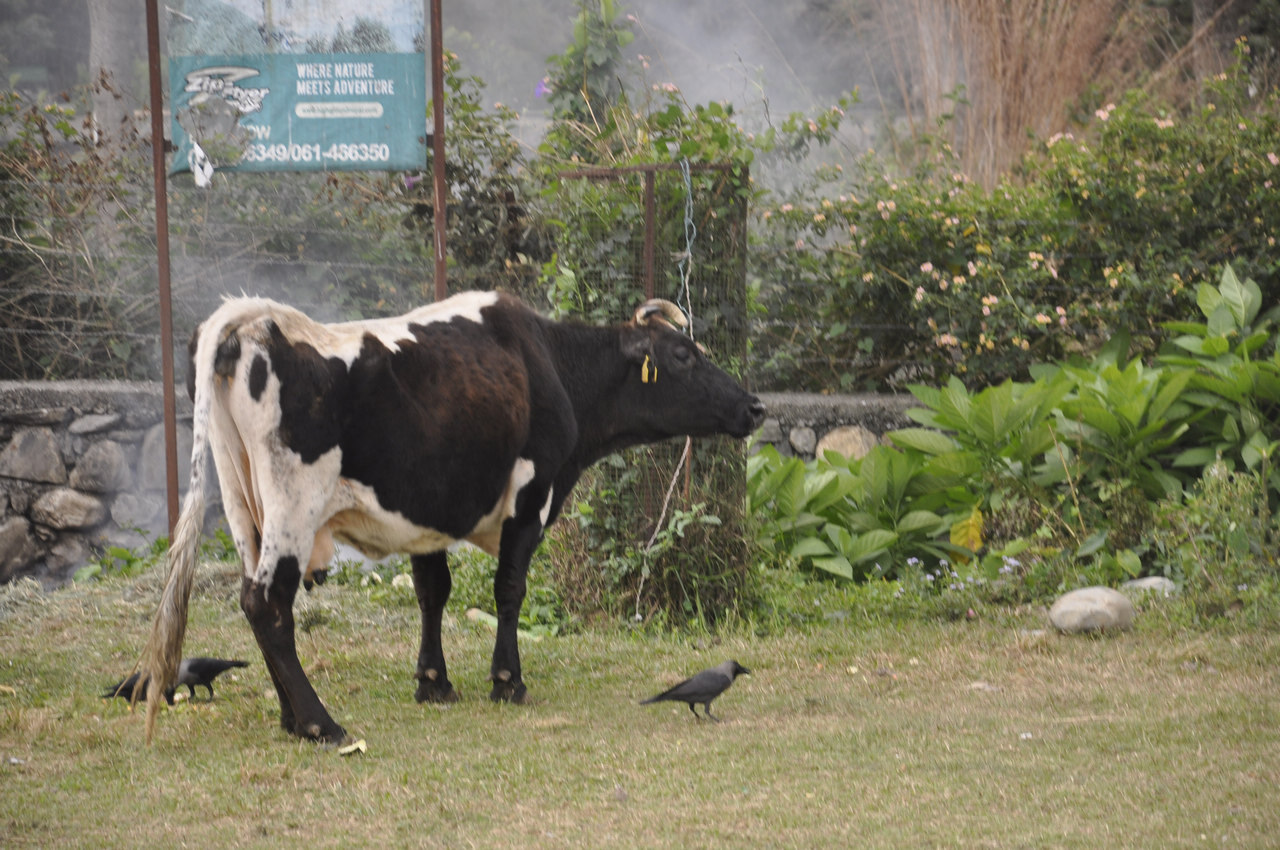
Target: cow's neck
593 369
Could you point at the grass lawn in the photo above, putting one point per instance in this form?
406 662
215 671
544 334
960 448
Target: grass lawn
853 734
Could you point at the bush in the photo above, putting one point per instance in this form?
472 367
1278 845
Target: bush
1080 475
889 280
77 289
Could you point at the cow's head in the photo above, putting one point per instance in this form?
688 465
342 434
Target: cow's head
673 388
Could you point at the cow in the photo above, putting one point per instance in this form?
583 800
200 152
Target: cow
467 419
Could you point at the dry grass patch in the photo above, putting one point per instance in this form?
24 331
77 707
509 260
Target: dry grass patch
974 734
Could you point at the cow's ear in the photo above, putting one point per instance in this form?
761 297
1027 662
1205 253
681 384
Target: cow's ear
636 344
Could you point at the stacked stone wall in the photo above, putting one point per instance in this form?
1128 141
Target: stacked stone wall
82 463
81 469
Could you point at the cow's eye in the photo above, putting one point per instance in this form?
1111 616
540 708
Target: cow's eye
683 355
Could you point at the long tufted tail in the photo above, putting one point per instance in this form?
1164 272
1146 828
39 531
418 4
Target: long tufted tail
158 665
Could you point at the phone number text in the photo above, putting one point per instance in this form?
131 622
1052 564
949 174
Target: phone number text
356 152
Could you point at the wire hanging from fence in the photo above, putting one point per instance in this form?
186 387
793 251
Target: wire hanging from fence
685 264
685 267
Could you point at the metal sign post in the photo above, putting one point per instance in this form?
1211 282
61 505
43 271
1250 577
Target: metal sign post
162 263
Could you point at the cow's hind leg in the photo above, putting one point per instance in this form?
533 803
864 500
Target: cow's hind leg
270 614
432 583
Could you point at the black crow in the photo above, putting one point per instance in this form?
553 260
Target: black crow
191 672
702 688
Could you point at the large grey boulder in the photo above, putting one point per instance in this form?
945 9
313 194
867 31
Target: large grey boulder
33 455
103 469
65 508
852 441
151 458
18 549
803 440
1091 609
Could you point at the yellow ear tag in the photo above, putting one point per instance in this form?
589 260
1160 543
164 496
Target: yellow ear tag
647 376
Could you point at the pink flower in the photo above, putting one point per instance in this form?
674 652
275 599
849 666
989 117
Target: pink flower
1272 158
926 267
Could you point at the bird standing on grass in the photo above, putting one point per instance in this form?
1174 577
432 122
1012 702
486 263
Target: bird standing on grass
702 688
191 672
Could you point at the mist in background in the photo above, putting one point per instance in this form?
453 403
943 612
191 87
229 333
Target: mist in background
764 57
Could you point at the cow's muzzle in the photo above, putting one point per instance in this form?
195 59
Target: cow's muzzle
750 418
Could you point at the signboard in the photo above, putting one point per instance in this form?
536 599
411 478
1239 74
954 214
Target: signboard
298 112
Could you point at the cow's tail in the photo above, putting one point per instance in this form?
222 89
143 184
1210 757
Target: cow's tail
158 666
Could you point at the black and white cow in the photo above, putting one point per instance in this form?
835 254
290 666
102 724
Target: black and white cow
468 419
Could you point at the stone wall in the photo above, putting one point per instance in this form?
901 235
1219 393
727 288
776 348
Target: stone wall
81 469
82 462
806 424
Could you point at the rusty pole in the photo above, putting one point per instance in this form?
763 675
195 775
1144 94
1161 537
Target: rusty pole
650 226
162 263
441 219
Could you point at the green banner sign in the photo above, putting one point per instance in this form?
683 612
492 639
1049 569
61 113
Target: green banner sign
298 112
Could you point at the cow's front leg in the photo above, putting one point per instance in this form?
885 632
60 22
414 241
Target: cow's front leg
432 583
518 543
270 614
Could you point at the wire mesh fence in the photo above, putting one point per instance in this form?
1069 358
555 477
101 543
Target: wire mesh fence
666 527
78 298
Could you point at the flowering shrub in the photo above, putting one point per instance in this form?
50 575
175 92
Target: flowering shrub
891 280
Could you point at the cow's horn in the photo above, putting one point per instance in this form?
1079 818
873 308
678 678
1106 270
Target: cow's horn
649 309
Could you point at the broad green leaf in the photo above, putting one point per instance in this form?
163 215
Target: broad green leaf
918 521
1243 299
1194 344
836 565
862 521
1092 545
923 440
870 545
1222 321
810 547
1199 456
952 465
1215 346
1129 562
1208 299
1169 393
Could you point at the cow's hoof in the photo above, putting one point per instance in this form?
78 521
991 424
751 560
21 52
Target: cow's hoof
324 733
440 692
512 692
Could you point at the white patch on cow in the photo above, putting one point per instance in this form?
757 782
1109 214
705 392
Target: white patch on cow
358 519
345 339
488 531
268 492
362 522
546 507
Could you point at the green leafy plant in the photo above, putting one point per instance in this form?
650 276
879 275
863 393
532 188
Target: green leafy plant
1234 380
123 561
853 518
